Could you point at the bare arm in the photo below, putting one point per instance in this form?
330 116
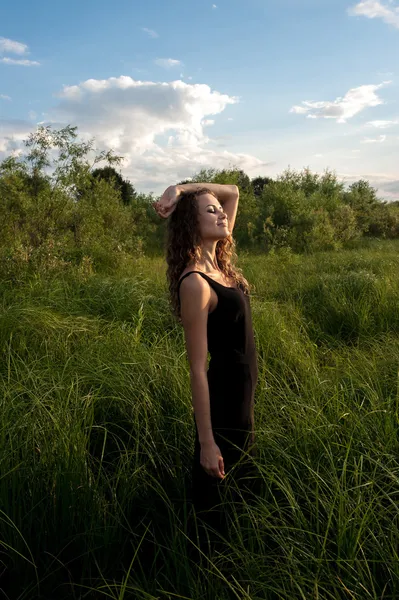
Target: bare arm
228 196
201 404
223 191
195 297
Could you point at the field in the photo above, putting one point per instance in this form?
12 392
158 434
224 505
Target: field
97 435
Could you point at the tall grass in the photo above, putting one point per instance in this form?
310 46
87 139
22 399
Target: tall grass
97 436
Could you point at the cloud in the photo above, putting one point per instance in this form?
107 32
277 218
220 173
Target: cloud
4 97
342 109
23 63
150 32
206 122
373 9
167 63
158 127
382 124
214 6
12 133
386 184
11 46
380 139
391 189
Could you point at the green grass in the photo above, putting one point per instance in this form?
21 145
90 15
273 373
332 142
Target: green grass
96 436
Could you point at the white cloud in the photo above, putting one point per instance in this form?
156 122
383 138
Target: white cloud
386 184
206 122
150 32
391 190
230 119
214 6
4 97
382 124
24 62
342 109
167 63
380 139
373 9
300 110
12 133
157 126
11 46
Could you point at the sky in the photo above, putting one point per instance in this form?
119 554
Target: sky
175 86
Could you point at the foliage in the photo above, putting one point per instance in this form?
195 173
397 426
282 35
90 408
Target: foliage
96 415
63 203
124 186
55 213
258 184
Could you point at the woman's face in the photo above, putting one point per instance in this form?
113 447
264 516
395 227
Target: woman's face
212 220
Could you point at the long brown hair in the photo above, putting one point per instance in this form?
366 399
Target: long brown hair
184 246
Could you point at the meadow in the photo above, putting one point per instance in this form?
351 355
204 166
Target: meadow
97 434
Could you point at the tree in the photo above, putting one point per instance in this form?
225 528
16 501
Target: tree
362 197
54 213
258 184
109 174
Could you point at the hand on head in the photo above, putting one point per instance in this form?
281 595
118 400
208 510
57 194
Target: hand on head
167 203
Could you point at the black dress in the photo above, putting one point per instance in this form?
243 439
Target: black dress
232 377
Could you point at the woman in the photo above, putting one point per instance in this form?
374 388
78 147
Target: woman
210 297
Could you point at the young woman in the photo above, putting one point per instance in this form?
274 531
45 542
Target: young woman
210 297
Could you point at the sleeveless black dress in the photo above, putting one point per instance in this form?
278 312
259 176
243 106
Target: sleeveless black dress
232 377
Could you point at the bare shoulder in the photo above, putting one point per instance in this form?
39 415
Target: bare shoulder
193 284
188 269
195 295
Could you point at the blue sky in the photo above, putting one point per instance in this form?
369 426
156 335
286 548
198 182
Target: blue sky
176 86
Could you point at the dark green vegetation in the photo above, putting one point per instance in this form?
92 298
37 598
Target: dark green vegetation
59 209
96 419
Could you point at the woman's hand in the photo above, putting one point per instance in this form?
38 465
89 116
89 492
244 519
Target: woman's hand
211 460
167 203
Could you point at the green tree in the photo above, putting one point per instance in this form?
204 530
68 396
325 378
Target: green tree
109 174
66 214
258 184
362 198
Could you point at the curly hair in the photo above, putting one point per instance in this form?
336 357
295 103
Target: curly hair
183 245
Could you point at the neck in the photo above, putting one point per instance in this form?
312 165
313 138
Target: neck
208 262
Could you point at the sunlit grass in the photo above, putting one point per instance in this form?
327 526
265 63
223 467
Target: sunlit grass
96 434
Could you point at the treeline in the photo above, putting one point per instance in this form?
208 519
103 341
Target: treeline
58 208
